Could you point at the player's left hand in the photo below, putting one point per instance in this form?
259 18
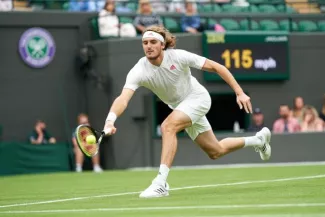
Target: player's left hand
244 101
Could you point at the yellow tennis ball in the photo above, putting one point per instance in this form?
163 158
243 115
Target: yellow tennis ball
91 139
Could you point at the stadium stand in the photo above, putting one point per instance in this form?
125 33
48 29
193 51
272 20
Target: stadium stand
256 6
304 6
230 24
269 25
307 26
249 25
321 26
258 15
286 25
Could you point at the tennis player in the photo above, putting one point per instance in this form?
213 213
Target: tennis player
166 72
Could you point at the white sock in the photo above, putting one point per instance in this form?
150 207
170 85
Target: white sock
252 141
96 166
163 172
78 167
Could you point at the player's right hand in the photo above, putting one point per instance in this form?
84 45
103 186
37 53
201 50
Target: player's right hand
109 128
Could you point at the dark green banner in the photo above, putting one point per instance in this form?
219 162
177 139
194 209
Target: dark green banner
22 158
249 55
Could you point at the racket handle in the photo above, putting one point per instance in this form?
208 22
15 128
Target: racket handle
107 131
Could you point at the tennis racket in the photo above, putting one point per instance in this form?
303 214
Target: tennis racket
82 132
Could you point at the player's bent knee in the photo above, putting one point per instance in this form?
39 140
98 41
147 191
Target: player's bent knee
218 152
214 156
168 127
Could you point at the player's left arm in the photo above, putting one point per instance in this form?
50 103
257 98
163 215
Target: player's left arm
242 99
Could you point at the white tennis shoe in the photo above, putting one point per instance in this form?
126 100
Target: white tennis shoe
265 150
98 169
156 189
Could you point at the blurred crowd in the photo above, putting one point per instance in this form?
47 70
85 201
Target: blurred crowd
157 5
109 24
297 117
6 5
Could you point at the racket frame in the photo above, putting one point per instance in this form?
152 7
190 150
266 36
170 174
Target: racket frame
99 136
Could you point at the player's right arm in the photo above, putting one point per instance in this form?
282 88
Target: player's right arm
118 107
133 82
205 64
121 102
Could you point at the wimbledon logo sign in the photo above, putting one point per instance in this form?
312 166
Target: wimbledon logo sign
36 47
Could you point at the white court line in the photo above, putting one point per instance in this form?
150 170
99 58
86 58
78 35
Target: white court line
173 189
250 182
68 199
168 208
261 215
228 166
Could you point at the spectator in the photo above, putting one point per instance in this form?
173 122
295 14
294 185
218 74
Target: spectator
322 111
122 8
258 121
240 3
86 5
311 121
40 135
107 20
78 5
146 17
109 25
159 6
96 5
79 157
190 22
178 6
298 105
286 123
6 5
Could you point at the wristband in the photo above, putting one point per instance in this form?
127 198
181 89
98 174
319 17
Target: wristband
111 117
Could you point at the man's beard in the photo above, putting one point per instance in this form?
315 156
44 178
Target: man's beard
153 57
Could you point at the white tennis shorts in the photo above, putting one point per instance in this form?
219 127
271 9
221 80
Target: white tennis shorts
196 106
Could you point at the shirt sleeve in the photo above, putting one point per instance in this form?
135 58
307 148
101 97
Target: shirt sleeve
191 59
133 78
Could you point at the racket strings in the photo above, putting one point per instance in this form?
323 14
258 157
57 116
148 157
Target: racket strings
88 149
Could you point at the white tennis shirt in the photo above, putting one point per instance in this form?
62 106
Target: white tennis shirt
172 80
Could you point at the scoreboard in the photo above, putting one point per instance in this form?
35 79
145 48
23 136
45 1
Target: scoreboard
248 55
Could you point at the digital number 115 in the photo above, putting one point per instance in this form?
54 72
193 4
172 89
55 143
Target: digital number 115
238 58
